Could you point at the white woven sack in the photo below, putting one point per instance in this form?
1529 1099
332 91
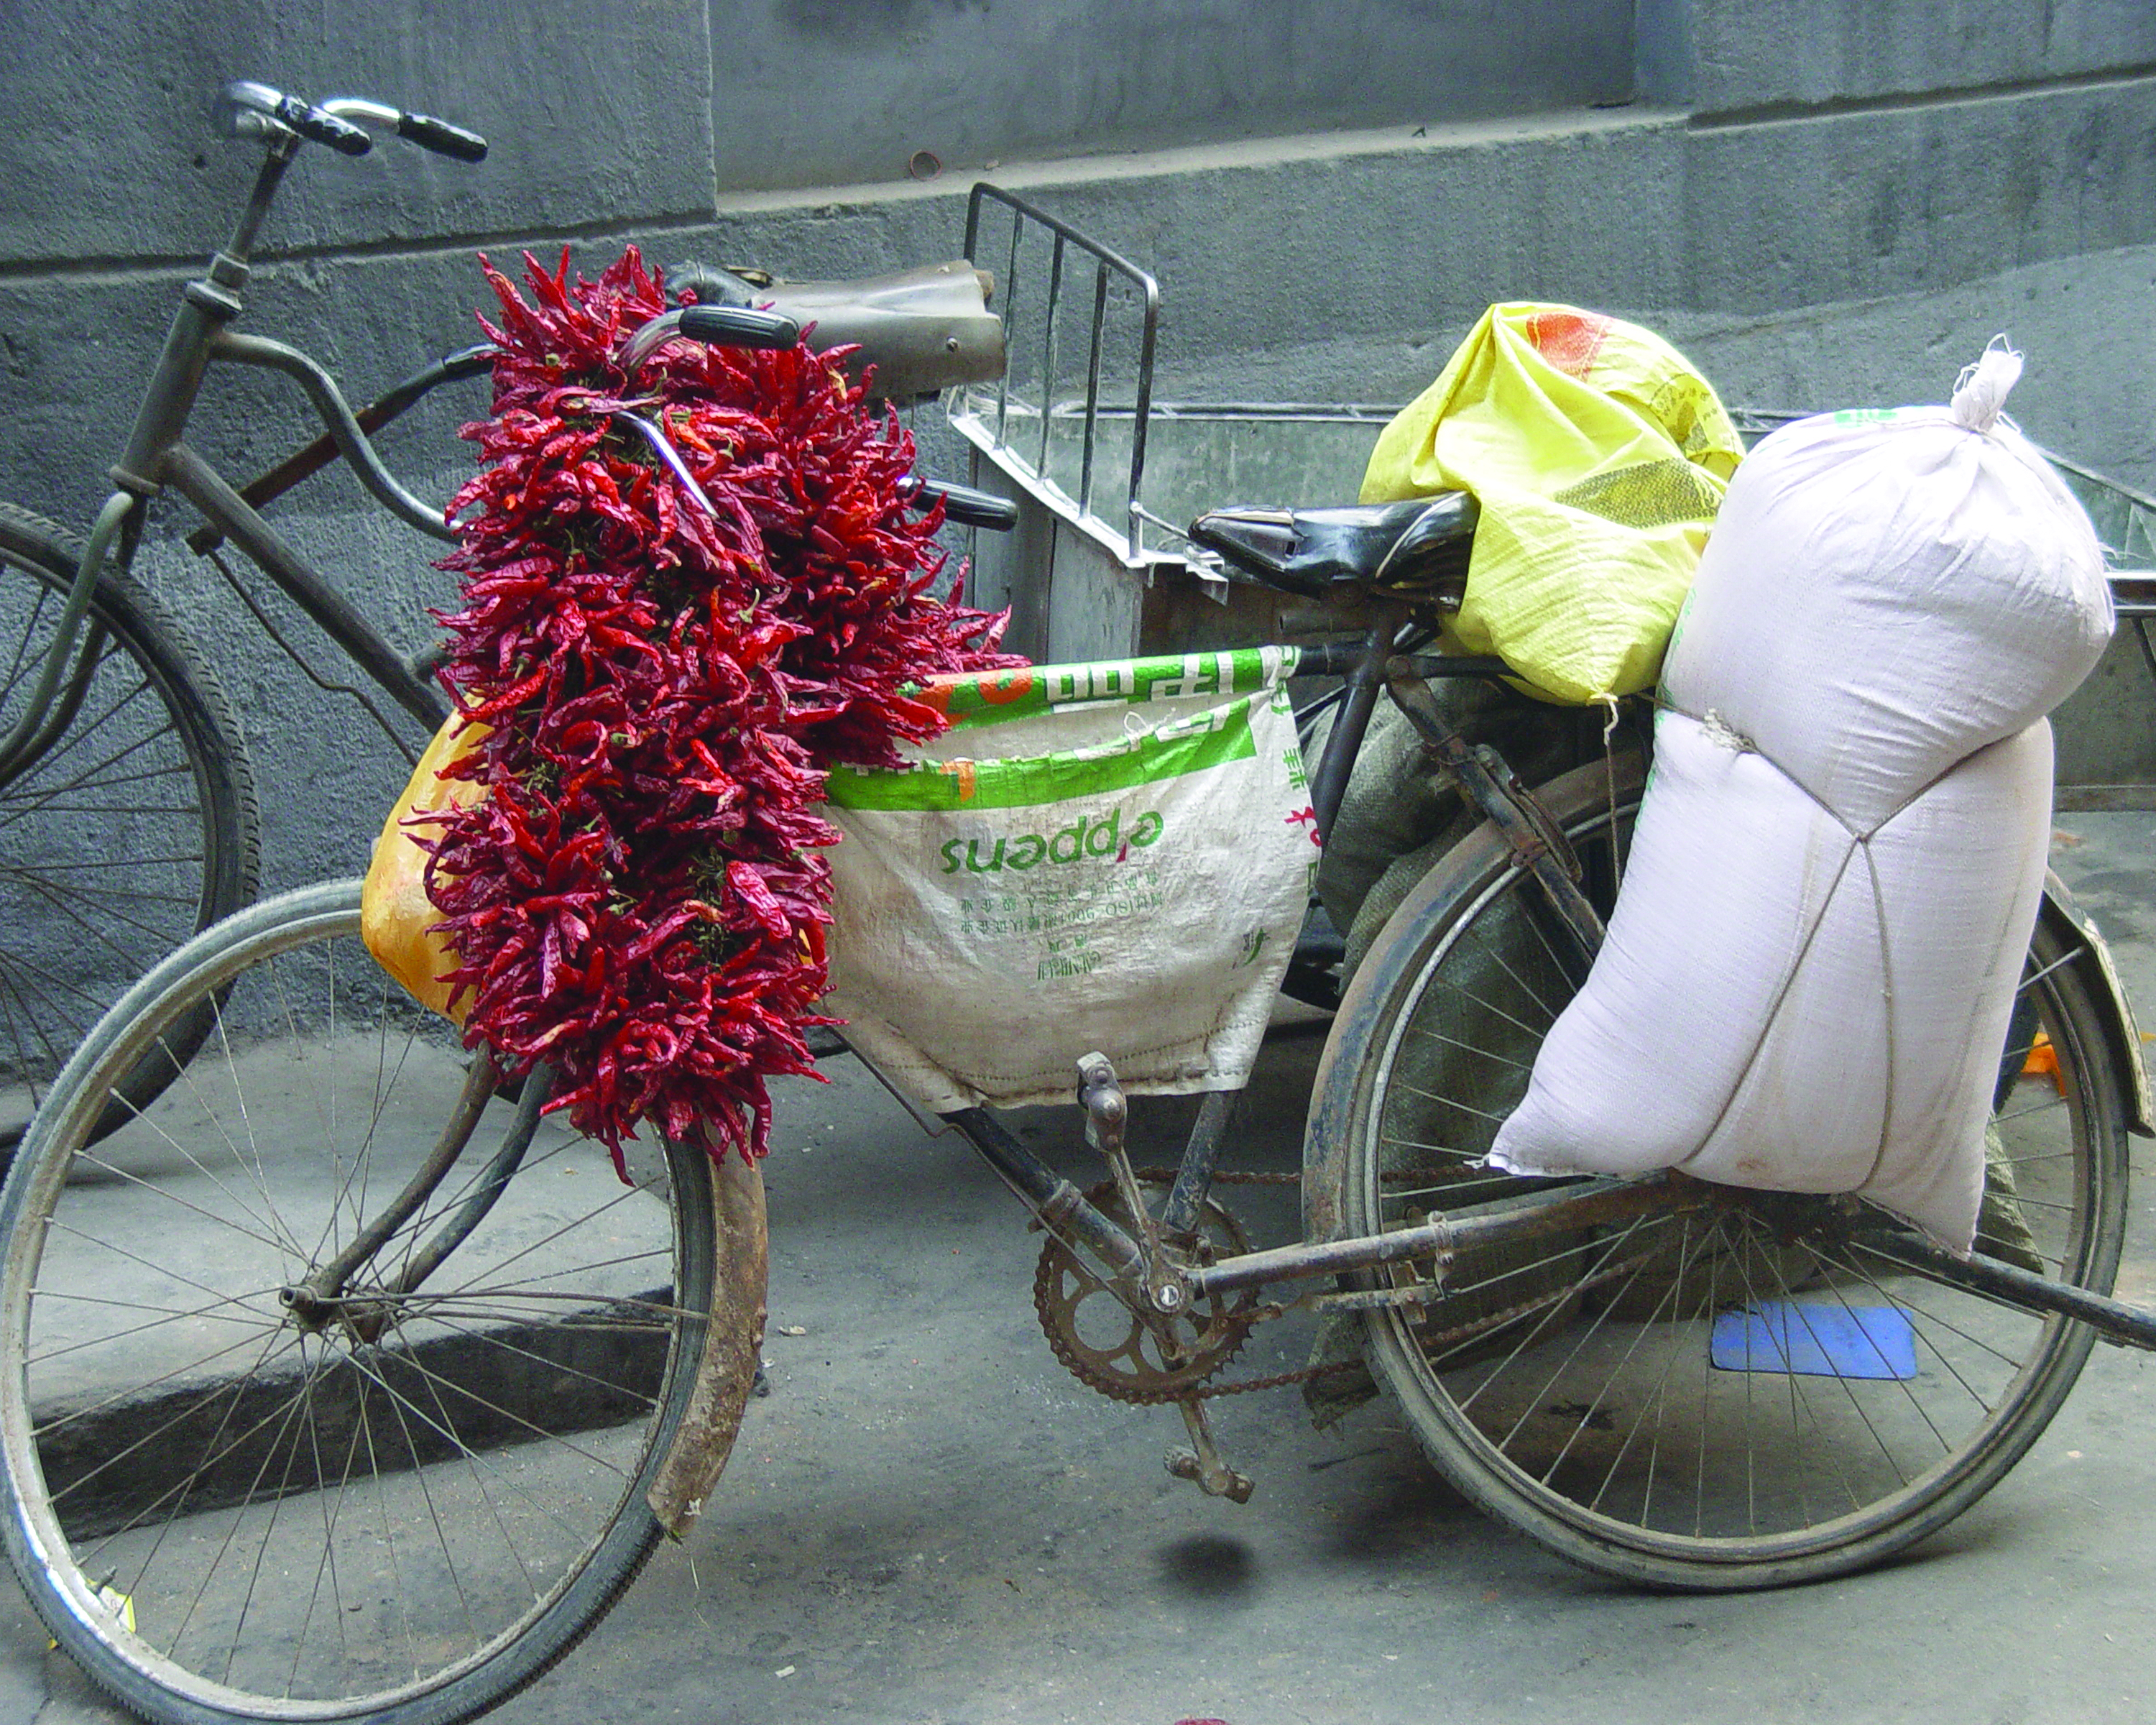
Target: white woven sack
1113 856
1778 1006
1886 593
1812 963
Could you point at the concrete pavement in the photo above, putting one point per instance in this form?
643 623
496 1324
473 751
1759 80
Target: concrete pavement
929 1521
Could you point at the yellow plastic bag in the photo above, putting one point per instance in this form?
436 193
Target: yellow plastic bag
394 913
1600 457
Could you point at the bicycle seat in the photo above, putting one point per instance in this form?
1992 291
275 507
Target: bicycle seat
923 330
1417 549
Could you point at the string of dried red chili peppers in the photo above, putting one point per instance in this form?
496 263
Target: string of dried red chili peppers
639 901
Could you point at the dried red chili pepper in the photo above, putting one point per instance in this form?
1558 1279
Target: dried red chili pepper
639 902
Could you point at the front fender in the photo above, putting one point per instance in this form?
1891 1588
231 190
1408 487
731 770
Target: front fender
733 1345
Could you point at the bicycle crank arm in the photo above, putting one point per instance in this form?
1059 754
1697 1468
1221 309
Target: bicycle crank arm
1601 1203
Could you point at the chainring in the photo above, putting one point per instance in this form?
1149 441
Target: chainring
1113 1348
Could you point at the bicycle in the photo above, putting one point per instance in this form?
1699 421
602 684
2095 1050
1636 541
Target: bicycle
383 1446
390 1442
129 814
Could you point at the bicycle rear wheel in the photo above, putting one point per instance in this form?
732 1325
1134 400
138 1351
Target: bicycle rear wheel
132 829
1698 1400
405 1511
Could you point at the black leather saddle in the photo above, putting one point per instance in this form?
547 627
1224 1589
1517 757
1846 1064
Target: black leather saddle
1416 550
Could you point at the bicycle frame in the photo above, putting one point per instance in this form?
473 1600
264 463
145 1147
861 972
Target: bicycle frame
1148 1263
1537 848
158 457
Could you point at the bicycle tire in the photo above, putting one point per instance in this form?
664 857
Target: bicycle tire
1563 1387
496 1440
136 829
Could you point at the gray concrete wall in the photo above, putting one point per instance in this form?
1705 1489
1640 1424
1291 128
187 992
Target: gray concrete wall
1826 200
1719 56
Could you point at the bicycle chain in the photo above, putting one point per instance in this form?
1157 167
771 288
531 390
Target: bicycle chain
1221 1177
1278 1380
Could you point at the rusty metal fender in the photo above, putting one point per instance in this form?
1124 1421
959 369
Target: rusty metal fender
1389 966
733 1344
2092 963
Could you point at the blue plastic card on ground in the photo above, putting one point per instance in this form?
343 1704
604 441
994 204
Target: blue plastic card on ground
1815 1340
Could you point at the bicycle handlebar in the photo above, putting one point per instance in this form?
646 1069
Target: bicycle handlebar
739 327
244 96
725 326
424 130
965 505
331 122
443 138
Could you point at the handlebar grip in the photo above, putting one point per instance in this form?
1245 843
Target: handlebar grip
738 326
311 122
441 137
966 507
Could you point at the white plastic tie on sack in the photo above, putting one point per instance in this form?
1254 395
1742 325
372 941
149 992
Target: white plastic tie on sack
1612 713
1980 392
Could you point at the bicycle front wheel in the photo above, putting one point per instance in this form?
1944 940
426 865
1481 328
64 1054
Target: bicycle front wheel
133 827
405 1506
1705 1400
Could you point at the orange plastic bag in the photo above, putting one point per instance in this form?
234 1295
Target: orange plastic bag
395 915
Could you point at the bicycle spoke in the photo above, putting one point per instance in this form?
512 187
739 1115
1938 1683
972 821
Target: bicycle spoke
536 1504
199 1313
30 633
1487 1054
496 1343
331 1509
397 1405
236 1394
1674 1300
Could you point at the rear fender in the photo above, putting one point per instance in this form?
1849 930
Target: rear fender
2091 961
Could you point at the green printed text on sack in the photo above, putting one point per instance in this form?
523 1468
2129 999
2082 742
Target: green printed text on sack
1082 839
982 698
1182 746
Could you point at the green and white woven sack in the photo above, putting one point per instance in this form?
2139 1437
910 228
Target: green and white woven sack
1113 856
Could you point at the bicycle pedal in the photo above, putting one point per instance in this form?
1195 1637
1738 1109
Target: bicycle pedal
1203 1464
1224 1482
1107 1109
